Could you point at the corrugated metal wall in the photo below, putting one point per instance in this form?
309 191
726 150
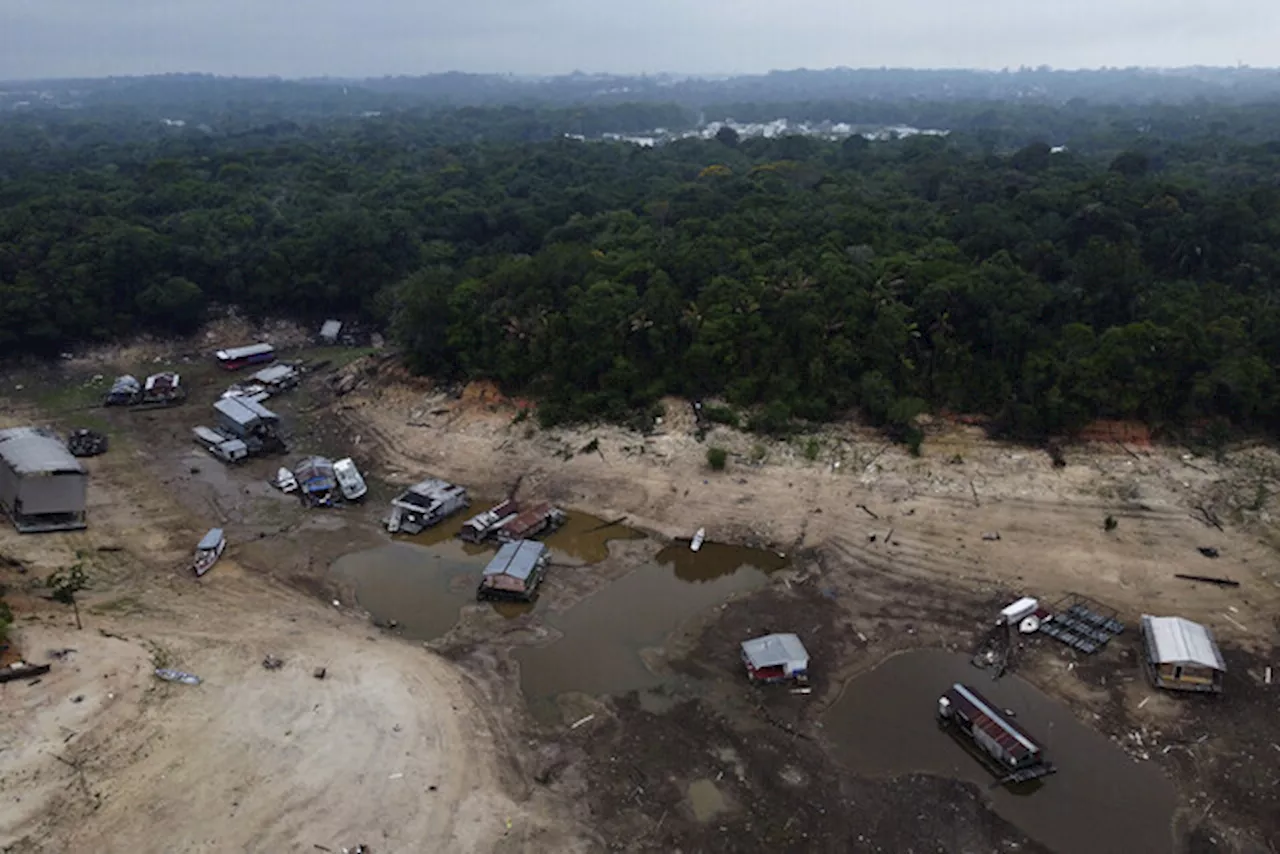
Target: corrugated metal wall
57 493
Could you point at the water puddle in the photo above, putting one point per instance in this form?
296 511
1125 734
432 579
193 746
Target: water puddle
423 581
582 539
605 635
1100 801
585 538
422 589
706 800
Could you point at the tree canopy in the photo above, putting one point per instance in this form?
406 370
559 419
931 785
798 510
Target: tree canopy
798 277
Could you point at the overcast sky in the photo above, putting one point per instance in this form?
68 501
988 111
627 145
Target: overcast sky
293 38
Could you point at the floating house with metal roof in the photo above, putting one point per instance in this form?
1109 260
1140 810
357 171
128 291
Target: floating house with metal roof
1015 755
424 504
531 522
42 486
776 657
515 572
482 525
1182 655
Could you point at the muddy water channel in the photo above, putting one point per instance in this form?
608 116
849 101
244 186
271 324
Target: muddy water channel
424 582
1100 801
605 635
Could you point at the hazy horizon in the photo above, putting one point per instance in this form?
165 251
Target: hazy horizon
44 39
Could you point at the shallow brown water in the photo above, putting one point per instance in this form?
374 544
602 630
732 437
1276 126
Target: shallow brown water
605 634
1100 802
423 581
422 588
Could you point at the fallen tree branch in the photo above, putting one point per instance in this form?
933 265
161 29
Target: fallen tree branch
1221 582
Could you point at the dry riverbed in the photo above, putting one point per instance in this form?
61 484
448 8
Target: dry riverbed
470 744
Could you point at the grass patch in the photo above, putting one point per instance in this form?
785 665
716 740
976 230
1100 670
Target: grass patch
67 396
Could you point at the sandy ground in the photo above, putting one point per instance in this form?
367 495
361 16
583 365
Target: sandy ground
396 747
888 554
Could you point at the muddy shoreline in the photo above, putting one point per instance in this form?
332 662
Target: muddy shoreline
698 759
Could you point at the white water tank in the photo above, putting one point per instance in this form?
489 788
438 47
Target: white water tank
1024 607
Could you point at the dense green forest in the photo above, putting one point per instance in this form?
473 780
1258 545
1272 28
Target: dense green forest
1131 275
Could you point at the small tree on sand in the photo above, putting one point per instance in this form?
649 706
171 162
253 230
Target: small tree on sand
65 584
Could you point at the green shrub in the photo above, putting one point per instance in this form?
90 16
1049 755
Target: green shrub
721 415
717 458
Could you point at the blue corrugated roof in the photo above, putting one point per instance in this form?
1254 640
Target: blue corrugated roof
517 559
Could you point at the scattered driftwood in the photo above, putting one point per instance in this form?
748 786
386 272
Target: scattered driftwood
1221 582
865 509
1210 518
23 671
876 455
608 524
1122 447
974 490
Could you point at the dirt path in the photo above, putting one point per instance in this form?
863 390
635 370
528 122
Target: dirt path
395 747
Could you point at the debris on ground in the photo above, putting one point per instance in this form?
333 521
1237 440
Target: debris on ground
272 662
1208 551
319 672
86 443
581 721
169 675
22 670
990 535
1207 579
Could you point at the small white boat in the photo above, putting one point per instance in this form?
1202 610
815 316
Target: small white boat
349 480
208 551
285 481
698 539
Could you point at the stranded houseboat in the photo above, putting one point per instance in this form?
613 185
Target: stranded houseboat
515 572
1009 750
208 551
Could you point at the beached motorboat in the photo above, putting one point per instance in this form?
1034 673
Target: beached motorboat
208 551
285 481
698 539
